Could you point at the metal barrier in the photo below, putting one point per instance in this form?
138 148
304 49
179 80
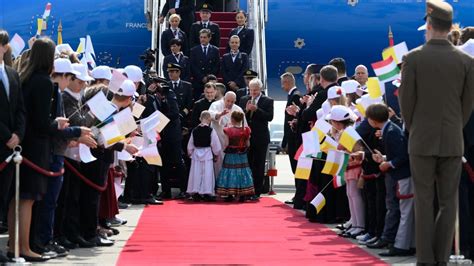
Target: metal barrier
17 159
270 169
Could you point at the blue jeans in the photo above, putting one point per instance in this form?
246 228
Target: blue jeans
47 206
392 216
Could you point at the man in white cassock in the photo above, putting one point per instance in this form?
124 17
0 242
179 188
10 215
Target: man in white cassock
220 114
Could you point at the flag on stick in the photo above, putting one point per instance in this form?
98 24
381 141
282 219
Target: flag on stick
386 70
318 202
303 168
349 138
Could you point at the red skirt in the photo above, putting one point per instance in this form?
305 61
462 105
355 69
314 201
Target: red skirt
108 207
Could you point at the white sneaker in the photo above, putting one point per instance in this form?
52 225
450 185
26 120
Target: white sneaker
364 237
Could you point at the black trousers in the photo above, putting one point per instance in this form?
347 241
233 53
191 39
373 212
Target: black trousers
6 189
172 173
466 215
257 155
139 181
96 171
374 199
72 198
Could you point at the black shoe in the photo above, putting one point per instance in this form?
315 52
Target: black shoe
44 251
55 247
122 205
209 198
101 242
30 259
3 258
289 201
152 201
254 198
242 199
164 195
393 252
299 207
379 244
66 243
229 199
181 195
82 242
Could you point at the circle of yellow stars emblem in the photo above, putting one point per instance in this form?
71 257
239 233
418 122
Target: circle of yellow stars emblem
299 43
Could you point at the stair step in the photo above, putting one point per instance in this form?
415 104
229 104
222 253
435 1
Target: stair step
226 24
219 16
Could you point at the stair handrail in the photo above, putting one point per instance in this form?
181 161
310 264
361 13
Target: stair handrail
157 29
258 10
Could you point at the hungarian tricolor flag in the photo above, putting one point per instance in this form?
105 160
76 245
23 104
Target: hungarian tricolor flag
386 70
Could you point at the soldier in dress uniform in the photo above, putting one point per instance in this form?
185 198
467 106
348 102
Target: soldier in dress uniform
436 100
179 58
205 23
245 34
173 32
204 61
233 65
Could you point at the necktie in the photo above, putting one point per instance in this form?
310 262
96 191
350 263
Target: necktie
5 83
205 25
177 57
253 102
174 33
175 85
204 48
239 29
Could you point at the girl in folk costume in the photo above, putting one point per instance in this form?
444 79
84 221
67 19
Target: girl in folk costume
202 146
341 117
235 178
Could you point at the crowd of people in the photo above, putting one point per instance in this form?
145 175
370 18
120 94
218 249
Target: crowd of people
403 177
215 144
67 202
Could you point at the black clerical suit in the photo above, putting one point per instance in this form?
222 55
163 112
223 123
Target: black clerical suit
200 105
246 37
233 67
12 120
203 64
185 11
169 34
260 137
291 140
198 26
181 60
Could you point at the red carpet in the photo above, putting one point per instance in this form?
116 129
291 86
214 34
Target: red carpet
263 233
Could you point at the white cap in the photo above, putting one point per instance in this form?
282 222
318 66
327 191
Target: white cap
102 72
350 86
320 113
340 113
335 92
326 106
62 66
82 69
134 73
64 47
127 88
422 27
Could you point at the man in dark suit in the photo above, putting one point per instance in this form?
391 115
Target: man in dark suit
184 8
258 112
173 32
233 65
204 23
12 123
243 91
340 64
291 139
177 57
436 100
203 104
204 61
